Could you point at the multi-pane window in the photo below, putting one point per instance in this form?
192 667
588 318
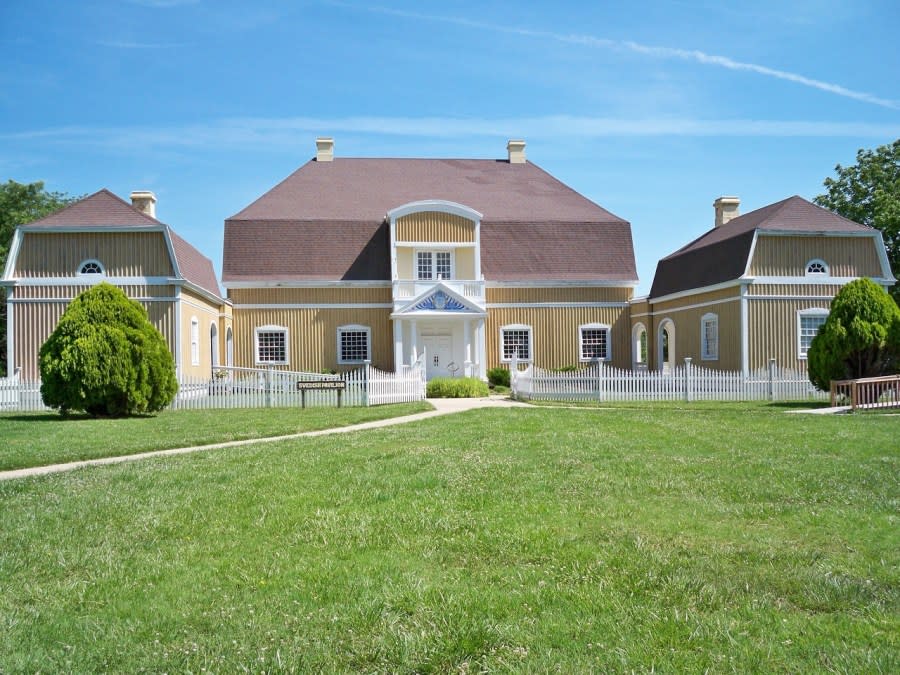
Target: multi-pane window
816 267
594 342
271 345
515 342
709 337
433 265
809 324
353 344
90 267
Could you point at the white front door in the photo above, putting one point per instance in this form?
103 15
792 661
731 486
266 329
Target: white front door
438 355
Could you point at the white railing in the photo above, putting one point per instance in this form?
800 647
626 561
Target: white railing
469 289
601 382
263 388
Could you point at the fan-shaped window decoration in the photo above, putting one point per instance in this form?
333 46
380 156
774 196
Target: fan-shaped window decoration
816 267
91 267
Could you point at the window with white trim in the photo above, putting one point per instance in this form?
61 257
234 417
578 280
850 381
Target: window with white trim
808 323
594 342
817 268
271 345
195 341
515 341
88 267
709 337
434 265
354 344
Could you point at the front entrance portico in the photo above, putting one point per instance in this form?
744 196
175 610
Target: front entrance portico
447 328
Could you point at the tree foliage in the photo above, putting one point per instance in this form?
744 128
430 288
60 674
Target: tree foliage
21 203
860 337
869 193
106 358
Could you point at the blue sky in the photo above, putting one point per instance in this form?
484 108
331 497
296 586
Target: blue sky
652 110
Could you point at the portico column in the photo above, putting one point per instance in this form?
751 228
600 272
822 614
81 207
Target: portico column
398 343
480 349
414 341
467 339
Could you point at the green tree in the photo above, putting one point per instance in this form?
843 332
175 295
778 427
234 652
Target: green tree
106 358
860 337
21 203
869 193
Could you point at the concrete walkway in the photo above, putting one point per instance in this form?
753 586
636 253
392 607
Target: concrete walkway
442 406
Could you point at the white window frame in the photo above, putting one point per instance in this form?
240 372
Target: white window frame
433 253
91 261
195 341
354 328
805 313
706 353
817 261
271 329
516 327
594 326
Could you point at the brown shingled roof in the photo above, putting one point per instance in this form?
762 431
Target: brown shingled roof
721 254
326 221
105 209
102 208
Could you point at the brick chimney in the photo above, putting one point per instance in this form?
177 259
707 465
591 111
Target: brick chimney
324 149
516 150
145 202
726 209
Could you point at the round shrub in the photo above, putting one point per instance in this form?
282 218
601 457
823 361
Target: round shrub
106 358
498 377
860 337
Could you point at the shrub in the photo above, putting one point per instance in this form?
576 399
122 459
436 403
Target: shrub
498 377
456 387
106 358
860 337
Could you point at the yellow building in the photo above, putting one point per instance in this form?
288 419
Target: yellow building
753 288
471 262
103 238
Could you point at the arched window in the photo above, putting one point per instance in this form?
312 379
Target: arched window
666 345
817 267
89 267
639 345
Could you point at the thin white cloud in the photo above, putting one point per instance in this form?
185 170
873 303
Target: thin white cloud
647 50
274 134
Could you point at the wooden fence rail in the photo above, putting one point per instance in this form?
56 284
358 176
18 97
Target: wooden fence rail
867 392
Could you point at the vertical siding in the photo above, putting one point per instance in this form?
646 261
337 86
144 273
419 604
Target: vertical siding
435 226
206 313
773 331
687 335
33 323
555 333
787 256
312 335
270 296
560 294
123 254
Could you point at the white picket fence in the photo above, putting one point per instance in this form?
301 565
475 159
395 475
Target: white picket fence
601 382
263 388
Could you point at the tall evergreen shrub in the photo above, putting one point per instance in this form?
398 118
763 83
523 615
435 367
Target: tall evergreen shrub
106 358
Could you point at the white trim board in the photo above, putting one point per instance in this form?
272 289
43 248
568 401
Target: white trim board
319 283
349 305
557 305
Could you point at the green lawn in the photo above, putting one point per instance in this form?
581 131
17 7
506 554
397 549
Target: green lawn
705 538
47 438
